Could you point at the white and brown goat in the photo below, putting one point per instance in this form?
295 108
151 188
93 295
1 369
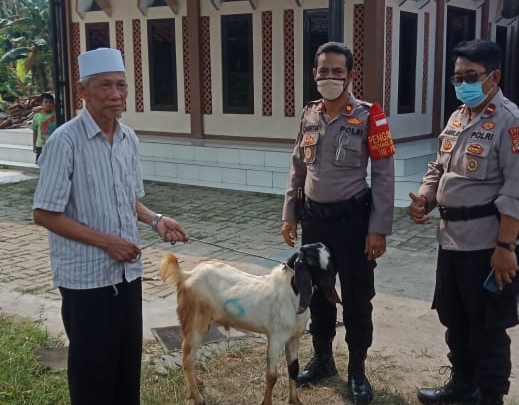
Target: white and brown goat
275 304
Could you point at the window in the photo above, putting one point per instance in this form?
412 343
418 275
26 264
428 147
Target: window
238 90
315 33
163 65
407 62
97 35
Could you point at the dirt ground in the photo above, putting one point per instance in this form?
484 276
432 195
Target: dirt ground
408 353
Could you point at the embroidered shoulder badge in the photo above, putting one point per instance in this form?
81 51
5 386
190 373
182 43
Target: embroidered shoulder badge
514 133
457 123
380 142
446 145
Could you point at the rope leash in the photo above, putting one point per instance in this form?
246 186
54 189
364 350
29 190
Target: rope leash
157 278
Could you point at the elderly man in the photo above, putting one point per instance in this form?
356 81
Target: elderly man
88 198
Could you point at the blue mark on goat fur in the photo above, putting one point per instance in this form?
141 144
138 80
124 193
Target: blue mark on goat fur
232 307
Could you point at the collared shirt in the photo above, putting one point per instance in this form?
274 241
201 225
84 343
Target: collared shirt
477 162
97 184
330 161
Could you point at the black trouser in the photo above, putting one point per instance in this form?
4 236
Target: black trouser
345 237
105 335
476 321
38 153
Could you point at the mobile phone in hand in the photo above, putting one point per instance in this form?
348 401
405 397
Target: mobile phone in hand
490 283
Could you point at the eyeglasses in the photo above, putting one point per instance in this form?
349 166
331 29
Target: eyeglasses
471 77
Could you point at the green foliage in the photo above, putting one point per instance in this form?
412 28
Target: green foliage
25 28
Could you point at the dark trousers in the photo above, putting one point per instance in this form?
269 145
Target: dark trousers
345 237
105 335
476 321
38 153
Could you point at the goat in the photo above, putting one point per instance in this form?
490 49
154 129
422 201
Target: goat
275 304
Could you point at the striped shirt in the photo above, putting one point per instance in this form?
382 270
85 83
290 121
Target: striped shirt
97 184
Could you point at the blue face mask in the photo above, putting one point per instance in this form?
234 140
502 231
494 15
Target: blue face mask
471 94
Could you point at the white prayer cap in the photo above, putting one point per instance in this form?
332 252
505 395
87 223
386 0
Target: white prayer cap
100 60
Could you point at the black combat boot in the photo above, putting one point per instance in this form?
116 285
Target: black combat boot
321 365
358 384
490 398
460 388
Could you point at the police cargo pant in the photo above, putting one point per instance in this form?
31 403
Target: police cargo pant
345 237
105 343
476 320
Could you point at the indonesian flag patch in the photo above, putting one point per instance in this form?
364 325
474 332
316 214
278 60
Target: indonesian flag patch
380 143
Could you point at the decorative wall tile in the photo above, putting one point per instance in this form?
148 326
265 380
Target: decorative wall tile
425 72
205 36
76 49
187 77
389 52
358 49
137 65
266 30
288 34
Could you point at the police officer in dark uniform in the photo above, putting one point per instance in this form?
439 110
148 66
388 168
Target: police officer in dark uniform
338 136
474 182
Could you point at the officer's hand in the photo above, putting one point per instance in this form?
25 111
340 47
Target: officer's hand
417 209
505 264
375 245
289 231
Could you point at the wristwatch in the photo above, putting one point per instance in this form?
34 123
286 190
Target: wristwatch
507 245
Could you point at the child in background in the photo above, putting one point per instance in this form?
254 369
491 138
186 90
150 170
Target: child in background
43 124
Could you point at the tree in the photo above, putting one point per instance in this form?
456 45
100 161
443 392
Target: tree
25 34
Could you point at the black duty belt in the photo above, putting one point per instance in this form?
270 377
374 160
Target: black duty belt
466 213
356 205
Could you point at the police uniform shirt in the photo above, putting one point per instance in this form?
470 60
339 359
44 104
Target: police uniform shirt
477 162
330 161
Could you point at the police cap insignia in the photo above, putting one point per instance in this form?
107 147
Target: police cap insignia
354 121
488 125
472 164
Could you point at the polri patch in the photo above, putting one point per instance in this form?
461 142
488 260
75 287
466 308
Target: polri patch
380 142
472 164
475 149
514 133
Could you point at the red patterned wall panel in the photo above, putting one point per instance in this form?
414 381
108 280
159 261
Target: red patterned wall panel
207 95
389 52
266 30
137 65
119 36
425 72
288 34
76 49
185 53
358 48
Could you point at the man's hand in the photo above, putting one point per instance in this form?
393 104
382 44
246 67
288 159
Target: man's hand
375 245
505 264
417 209
289 231
171 231
120 249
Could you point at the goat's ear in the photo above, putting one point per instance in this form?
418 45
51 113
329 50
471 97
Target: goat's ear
292 260
303 283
